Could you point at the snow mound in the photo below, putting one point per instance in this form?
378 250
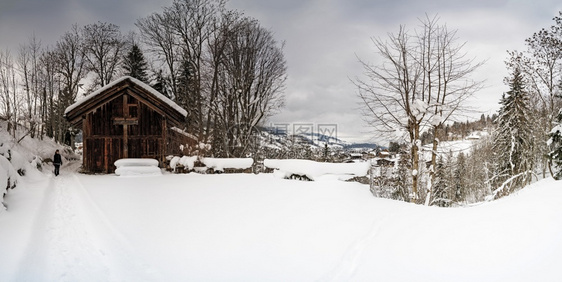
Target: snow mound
137 170
219 164
312 169
185 161
135 162
137 167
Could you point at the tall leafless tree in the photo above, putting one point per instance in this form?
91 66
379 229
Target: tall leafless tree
423 80
104 46
8 90
71 67
28 61
158 35
255 72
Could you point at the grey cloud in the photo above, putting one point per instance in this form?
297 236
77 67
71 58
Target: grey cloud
322 39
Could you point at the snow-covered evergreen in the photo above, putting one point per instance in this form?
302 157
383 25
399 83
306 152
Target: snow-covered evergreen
135 65
513 141
441 186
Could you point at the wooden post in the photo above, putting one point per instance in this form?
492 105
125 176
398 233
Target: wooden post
164 146
125 126
107 151
85 137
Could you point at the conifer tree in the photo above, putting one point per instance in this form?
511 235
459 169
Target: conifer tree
513 141
401 185
135 65
459 175
161 84
555 143
441 186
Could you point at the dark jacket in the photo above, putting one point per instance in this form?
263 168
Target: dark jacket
57 159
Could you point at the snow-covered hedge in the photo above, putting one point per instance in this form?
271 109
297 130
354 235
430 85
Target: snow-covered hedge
312 169
220 164
19 163
216 164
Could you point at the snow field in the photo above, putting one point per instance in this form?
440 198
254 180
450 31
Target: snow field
245 227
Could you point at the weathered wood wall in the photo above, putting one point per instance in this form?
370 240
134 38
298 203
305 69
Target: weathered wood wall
116 130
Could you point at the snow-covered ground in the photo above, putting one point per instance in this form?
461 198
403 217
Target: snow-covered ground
246 227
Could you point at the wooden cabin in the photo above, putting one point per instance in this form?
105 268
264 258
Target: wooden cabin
127 119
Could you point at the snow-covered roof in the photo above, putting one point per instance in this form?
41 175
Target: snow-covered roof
143 85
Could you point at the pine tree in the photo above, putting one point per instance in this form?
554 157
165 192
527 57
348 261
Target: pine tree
555 143
401 184
135 65
513 141
459 175
161 84
441 185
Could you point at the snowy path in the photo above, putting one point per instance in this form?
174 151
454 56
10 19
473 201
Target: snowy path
350 260
74 241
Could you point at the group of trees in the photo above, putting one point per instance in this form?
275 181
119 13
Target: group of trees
38 82
460 130
415 90
225 69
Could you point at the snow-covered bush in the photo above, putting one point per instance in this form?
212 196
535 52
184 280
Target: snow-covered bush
220 164
37 162
16 159
187 162
8 178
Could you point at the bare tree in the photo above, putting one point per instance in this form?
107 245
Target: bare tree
193 20
158 34
28 60
104 46
8 87
50 87
446 81
71 67
422 82
255 72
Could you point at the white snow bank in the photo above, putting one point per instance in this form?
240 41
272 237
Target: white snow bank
314 169
138 170
136 167
220 164
135 162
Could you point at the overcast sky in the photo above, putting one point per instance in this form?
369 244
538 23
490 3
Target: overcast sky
323 40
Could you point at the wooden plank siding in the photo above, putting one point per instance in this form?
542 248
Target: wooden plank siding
126 121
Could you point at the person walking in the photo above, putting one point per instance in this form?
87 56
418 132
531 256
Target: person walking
57 161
